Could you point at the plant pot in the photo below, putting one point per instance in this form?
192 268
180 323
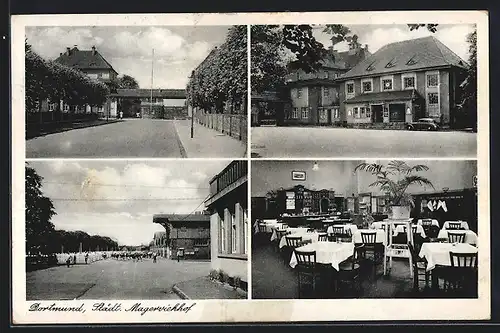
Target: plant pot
400 212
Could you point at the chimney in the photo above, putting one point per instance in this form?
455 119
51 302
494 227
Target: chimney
60 54
68 51
93 50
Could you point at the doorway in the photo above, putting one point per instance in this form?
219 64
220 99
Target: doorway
377 113
397 112
324 205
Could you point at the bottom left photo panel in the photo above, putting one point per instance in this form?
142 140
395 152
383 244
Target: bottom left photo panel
144 230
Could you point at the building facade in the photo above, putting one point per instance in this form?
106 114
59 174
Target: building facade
188 233
95 66
229 226
152 103
315 97
160 245
402 82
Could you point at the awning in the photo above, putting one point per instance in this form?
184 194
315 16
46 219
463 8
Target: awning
400 95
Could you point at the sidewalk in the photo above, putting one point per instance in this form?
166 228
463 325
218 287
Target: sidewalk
203 288
207 142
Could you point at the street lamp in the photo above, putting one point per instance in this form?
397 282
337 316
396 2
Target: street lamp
192 107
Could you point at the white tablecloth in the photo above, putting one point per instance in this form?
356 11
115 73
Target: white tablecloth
434 222
313 236
328 253
470 236
463 224
345 227
439 253
379 238
400 229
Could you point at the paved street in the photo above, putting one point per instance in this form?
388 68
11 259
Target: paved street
343 142
130 138
113 279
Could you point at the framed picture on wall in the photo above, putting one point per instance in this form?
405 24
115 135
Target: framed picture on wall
299 175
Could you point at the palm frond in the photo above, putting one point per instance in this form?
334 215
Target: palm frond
415 179
417 168
373 168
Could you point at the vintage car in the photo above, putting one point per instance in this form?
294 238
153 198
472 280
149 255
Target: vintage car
423 124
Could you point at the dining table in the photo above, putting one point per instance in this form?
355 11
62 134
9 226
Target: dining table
306 236
470 236
463 224
327 253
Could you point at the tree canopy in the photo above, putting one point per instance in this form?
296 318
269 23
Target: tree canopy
222 76
50 80
127 82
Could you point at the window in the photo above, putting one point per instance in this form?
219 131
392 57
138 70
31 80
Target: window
386 83
432 80
245 231
299 92
234 235
92 75
66 107
362 112
51 106
105 75
409 81
349 112
305 113
336 113
356 113
222 234
350 87
368 112
326 92
295 113
367 85
433 98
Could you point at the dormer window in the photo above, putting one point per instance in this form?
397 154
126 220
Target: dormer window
412 61
370 67
391 64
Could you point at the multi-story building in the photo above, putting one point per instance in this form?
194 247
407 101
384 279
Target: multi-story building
191 233
314 96
159 245
153 103
402 82
95 66
229 226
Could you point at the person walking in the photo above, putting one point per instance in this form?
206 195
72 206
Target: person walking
74 259
86 258
154 258
121 114
68 261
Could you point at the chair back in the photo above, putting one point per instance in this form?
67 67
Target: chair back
368 237
413 253
454 225
468 260
293 242
414 229
456 237
310 229
305 259
322 237
262 228
426 222
337 230
331 238
280 233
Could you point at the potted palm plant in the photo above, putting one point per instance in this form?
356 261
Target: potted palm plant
394 179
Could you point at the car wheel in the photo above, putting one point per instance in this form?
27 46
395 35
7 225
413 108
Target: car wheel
409 128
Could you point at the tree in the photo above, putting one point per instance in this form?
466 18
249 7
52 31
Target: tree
39 211
127 82
469 86
431 27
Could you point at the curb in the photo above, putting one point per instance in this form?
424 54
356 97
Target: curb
73 128
179 292
179 141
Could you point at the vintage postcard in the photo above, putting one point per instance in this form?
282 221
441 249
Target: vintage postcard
250 167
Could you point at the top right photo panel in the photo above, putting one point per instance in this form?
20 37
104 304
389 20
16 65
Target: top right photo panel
333 90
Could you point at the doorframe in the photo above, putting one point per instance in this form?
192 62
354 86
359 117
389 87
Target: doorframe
371 110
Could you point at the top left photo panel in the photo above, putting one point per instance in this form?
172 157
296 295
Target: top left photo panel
135 91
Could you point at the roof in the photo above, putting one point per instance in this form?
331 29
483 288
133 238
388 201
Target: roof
158 218
384 96
84 59
408 55
345 60
312 82
157 93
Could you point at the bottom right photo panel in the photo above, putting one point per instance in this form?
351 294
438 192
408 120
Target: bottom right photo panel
331 229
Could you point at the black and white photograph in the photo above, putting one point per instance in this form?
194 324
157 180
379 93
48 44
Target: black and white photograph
365 229
132 91
136 230
333 90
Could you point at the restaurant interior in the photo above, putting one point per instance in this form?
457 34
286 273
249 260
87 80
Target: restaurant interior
364 229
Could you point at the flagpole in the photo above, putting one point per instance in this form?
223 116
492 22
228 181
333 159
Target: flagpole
152 73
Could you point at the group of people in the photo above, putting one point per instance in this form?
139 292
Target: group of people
134 255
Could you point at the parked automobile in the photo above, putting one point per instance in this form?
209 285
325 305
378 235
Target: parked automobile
423 124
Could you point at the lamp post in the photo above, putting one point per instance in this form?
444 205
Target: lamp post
191 102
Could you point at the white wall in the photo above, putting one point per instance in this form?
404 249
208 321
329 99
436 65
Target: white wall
174 102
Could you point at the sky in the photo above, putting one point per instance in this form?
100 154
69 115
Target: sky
132 191
376 36
178 50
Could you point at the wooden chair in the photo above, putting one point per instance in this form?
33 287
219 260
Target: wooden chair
310 230
293 242
349 272
456 237
322 237
279 235
419 269
262 228
454 226
346 236
331 238
338 230
462 275
368 238
307 272
426 222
